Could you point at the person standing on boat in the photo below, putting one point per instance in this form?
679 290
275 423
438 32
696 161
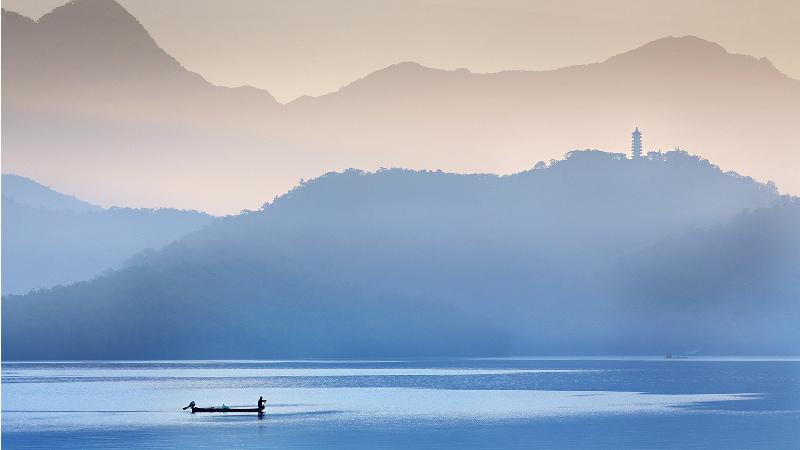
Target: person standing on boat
261 403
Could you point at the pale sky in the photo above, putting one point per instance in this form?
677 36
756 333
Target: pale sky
293 48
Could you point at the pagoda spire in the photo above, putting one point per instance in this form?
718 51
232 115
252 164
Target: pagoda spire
636 144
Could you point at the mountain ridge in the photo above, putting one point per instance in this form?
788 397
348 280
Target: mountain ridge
669 44
405 115
28 192
532 263
691 47
50 238
81 33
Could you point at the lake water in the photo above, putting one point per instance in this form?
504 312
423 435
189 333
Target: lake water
520 403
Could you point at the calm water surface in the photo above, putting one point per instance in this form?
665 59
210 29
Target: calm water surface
431 404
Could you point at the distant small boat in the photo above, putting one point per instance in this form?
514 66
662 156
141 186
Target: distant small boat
222 409
671 356
225 409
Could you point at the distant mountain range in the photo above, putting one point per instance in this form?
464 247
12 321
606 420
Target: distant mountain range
32 194
592 254
107 97
52 239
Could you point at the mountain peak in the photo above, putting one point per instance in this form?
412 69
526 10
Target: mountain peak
87 40
15 17
103 10
673 49
403 69
35 195
95 20
688 42
691 52
17 24
409 75
107 14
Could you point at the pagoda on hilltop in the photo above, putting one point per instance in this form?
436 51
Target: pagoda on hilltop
636 144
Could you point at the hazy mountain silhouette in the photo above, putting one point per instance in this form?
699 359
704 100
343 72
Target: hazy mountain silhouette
686 88
547 261
743 275
93 51
108 97
54 239
232 310
32 194
86 86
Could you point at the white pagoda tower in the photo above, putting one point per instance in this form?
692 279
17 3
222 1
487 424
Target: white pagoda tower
636 144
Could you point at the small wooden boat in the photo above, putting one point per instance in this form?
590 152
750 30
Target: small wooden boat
226 409
223 409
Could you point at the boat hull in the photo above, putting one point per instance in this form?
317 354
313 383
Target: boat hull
226 410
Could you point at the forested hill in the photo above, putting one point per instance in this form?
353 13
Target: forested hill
32 194
734 286
51 239
555 260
